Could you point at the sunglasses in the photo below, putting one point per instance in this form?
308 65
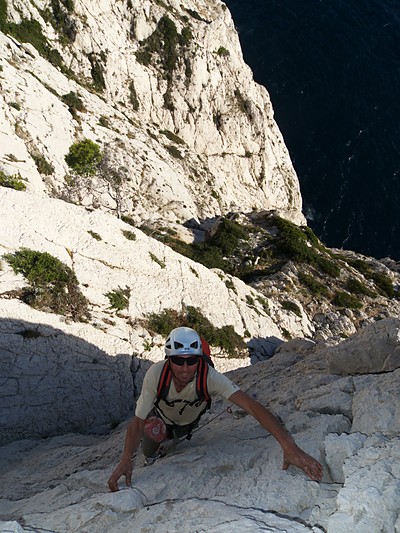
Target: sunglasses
180 361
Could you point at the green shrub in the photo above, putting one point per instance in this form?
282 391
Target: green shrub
195 15
83 157
291 306
128 220
315 287
384 283
43 166
62 22
172 137
356 287
225 337
173 150
243 104
95 235
129 235
186 36
299 246
156 260
74 102
29 31
119 298
133 96
103 121
12 182
360 265
211 253
15 105
165 43
223 52
230 285
97 72
52 284
344 299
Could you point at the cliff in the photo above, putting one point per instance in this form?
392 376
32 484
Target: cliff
162 87
154 189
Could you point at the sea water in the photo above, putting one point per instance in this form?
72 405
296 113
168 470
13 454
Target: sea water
332 68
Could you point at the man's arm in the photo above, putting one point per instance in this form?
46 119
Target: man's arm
292 454
134 434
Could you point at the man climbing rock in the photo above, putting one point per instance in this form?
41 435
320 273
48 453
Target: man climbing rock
177 392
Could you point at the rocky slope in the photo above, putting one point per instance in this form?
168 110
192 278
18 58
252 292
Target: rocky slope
176 224
340 403
161 87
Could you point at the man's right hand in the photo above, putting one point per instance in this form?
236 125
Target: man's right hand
124 468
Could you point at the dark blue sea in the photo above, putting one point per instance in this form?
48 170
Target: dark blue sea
332 68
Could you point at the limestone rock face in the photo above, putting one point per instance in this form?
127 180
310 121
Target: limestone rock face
61 375
189 131
381 353
229 477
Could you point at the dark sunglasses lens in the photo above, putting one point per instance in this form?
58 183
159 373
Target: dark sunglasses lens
180 361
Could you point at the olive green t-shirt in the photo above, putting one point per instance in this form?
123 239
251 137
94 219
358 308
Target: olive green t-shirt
181 413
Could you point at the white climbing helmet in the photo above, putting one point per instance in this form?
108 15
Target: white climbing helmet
183 341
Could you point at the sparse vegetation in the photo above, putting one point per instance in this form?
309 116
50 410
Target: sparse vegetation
346 300
119 298
165 42
223 52
74 103
172 137
156 260
43 166
314 286
97 71
29 31
225 337
384 284
12 182
52 284
129 235
174 152
355 286
291 306
103 121
128 220
95 235
244 104
133 96
300 246
61 20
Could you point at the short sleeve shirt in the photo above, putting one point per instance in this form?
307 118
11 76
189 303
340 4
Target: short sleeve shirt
217 385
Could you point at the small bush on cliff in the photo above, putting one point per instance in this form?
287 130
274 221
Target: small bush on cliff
119 298
314 286
29 31
52 284
344 299
302 246
83 157
225 337
12 182
384 284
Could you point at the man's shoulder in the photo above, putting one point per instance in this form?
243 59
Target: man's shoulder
154 371
215 375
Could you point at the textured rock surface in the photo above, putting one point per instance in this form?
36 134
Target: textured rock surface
195 142
228 477
229 153
96 363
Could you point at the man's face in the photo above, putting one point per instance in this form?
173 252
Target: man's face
184 367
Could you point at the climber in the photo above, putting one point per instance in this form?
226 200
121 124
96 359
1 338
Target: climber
175 394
